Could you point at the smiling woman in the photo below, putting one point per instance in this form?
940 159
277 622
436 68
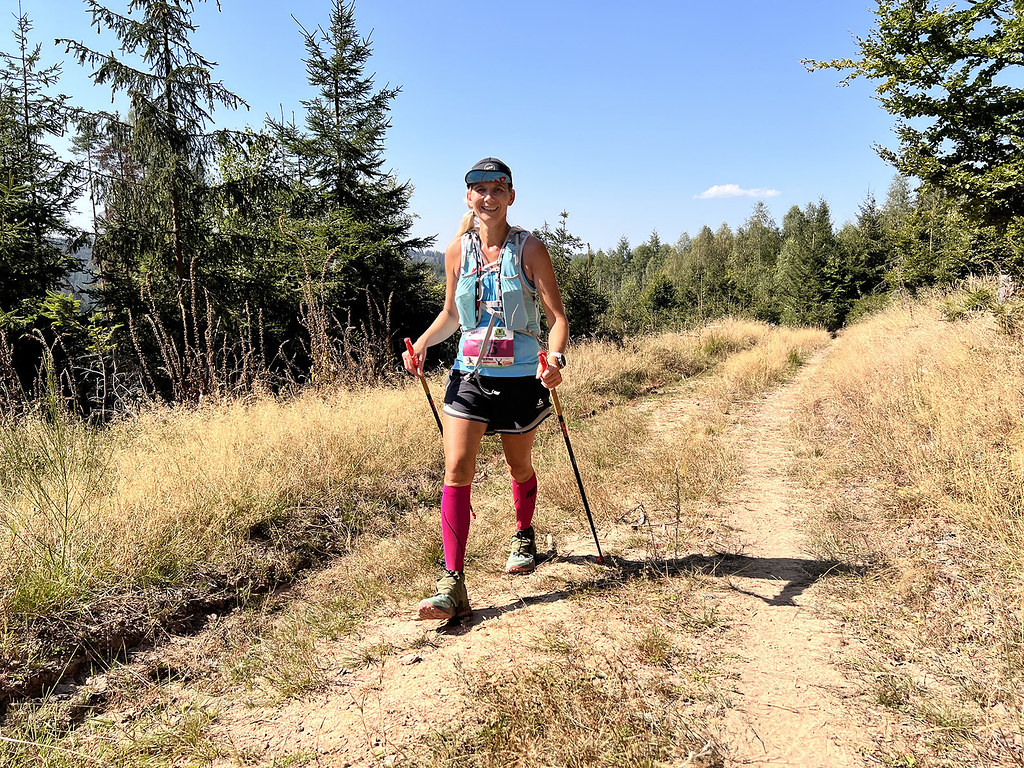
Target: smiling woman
497 279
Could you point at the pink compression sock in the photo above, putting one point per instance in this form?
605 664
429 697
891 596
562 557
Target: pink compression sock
455 525
524 498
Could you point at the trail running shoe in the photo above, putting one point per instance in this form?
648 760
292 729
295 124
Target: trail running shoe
451 600
524 551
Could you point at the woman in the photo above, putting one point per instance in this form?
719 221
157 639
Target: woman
496 276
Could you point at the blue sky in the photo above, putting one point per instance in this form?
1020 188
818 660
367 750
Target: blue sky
661 115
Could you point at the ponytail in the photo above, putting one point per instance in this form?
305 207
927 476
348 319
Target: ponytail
468 222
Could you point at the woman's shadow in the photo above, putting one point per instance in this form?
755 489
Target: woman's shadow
797 574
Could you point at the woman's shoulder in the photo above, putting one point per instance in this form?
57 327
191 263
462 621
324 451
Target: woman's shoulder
455 246
533 245
453 253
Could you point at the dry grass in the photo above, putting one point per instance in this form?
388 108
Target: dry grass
184 495
629 692
922 420
177 494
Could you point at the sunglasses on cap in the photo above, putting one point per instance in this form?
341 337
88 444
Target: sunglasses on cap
476 177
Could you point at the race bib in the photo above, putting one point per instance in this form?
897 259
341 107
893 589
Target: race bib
500 347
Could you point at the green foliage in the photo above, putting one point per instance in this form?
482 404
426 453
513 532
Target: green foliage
37 187
941 71
50 465
157 191
218 251
866 306
155 240
751 266
346 216
579 279
626 315
811 275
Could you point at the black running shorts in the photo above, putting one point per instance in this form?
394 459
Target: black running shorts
509 405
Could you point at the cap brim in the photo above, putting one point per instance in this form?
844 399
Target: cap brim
476 177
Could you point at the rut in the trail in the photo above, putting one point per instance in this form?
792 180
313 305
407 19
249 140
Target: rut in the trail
790 703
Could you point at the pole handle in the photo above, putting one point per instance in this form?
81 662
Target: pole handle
412 353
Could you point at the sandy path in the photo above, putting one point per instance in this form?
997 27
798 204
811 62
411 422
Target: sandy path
790 704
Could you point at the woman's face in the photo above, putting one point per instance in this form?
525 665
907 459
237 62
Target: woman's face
490 200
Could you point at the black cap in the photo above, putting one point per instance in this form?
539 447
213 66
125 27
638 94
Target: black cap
489 169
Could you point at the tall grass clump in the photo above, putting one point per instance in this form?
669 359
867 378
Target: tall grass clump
233 492
605 370
754 371
937 408
51 465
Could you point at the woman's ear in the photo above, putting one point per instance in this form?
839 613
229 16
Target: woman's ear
511 196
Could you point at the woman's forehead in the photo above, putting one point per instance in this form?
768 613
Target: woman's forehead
489 185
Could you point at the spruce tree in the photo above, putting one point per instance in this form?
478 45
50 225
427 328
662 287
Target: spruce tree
153 228
810 271
752 264
38 188
347 213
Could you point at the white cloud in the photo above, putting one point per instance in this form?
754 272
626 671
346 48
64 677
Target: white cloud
734 190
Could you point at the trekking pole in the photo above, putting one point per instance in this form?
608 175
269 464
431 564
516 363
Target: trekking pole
426 387
572 457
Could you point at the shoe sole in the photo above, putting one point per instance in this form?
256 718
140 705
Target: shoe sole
520 569
427 611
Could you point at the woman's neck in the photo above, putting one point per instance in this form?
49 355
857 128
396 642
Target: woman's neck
493 236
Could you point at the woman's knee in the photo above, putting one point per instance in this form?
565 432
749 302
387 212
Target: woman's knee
459 470
520 469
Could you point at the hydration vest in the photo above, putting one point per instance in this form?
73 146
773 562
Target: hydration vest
518 300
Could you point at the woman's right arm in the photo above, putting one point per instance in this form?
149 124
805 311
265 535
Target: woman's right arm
447 320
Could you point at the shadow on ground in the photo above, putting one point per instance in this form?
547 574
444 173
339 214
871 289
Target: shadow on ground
797 574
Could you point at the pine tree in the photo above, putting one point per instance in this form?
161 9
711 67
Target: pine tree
811 276
348 212
752 264
703 277
38 188
153 228
578 280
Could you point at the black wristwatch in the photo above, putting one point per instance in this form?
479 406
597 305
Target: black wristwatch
559 358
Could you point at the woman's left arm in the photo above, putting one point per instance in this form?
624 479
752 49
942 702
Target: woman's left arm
540 271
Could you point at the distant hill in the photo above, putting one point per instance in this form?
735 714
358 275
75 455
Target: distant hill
434 258
82 278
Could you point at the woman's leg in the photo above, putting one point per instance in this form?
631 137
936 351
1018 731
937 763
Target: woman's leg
519 455
461 444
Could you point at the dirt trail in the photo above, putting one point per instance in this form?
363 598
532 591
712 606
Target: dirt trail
791 704
787 702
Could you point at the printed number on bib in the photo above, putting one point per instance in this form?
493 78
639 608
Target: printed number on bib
500 348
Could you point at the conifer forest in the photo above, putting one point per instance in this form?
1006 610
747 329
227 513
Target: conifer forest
216 263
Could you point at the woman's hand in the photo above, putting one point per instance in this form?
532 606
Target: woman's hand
548 373
413 358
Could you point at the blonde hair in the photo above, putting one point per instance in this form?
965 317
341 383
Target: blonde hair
468 222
